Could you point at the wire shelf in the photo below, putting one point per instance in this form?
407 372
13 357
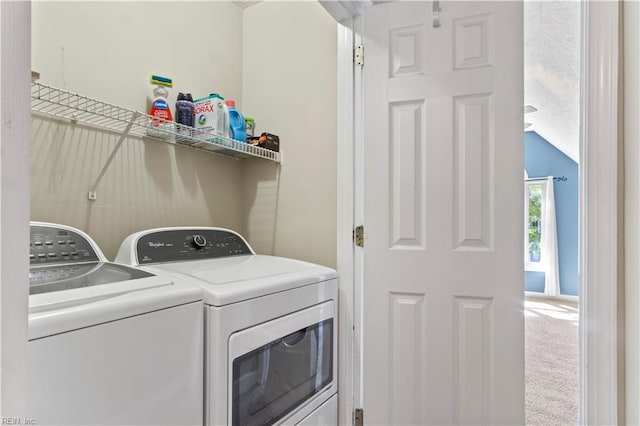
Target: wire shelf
76 108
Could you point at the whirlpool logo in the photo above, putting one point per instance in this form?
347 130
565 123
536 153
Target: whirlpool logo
155 245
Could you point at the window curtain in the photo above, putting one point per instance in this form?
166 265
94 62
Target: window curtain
551 277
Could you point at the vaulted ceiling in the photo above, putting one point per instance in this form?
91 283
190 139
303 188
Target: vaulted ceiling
552 72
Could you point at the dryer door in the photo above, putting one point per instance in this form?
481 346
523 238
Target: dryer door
281 365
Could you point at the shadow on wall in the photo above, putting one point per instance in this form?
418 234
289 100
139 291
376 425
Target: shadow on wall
149 184
261 198
220 185
157 162
542 159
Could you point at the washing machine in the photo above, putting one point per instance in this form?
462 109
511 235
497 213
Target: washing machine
109 344
270 325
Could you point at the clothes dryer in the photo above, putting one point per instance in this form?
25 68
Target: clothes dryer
108 344
270 325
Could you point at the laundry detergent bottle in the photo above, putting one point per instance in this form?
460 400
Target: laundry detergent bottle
161 126
184 114
236 122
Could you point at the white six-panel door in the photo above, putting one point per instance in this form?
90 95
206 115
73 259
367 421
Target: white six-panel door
443 271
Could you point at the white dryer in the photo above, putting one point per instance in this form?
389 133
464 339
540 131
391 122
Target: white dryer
108 344
270 325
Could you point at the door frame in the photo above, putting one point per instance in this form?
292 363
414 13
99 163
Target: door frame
345 206
600 368
601 371
15 145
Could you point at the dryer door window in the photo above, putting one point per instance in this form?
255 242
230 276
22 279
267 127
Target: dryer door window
273 380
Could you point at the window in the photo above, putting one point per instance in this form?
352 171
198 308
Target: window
535 256
273 380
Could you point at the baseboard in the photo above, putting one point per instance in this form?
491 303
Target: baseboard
536 295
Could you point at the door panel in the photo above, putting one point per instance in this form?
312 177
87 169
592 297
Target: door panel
406 173
473 173
443 158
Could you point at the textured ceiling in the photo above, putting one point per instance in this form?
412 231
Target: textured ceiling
552 72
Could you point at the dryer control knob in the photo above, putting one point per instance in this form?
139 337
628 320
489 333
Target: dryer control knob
199 241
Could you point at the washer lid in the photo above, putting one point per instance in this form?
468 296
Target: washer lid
112 292
234 279
62 277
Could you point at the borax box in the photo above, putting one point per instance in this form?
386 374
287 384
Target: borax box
209 114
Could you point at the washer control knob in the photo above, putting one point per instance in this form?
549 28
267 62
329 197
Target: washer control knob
199 241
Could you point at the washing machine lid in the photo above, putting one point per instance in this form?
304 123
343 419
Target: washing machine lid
70 276
78 307
74 291
234 279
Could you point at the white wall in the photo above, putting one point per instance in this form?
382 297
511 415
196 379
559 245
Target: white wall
280 55
632 208
289 87
108 50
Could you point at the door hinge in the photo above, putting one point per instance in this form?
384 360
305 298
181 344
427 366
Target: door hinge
358 417
358 55
358 236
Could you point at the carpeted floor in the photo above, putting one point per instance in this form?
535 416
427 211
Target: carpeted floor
551 362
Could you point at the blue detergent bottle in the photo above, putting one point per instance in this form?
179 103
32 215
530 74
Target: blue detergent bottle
236 122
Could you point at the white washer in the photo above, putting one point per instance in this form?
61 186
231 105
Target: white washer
270 325
108 344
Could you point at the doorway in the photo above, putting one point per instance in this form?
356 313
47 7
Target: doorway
598 222
552 78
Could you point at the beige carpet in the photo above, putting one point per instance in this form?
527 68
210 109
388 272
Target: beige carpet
551 362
